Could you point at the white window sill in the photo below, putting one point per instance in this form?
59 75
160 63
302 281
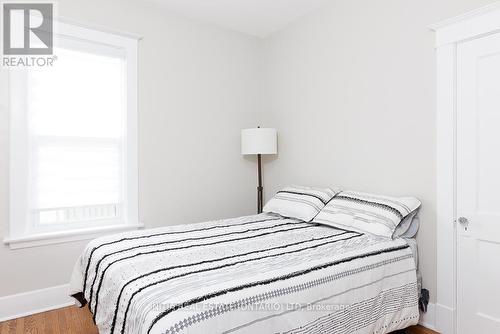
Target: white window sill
67 236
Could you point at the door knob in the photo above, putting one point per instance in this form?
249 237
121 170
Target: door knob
464 222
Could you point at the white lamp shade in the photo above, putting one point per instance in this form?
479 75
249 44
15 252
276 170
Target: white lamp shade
259 141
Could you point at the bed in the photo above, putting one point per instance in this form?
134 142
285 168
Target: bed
254 274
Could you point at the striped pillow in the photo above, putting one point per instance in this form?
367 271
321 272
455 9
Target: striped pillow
369 213
303 203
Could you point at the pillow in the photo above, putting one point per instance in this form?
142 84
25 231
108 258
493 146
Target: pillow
408 227
367 213
303 203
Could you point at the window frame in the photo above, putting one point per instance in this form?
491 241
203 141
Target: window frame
21 233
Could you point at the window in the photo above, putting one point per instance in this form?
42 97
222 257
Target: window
73 137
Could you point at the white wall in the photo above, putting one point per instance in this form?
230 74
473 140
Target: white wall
351 90
197 89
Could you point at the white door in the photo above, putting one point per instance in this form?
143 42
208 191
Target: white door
478 186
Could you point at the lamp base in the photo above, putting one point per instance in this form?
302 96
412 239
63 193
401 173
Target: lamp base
259 199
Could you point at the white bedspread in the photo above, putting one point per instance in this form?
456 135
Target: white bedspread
254 274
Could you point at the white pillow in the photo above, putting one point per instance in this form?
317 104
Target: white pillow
303 203
367 213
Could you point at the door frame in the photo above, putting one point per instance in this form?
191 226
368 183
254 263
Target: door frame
449 34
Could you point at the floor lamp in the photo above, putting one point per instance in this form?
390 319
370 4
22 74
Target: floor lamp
259 141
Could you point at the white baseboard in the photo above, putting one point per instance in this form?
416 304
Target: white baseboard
428 319
31 302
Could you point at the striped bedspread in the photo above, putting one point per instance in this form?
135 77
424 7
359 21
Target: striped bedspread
253 274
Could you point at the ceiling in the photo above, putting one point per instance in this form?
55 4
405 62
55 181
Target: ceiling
253 17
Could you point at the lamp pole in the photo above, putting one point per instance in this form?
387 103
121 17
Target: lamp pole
259 188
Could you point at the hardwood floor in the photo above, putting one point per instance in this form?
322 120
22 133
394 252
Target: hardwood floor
72 320
68 320
419 330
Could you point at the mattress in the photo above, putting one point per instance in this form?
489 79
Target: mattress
252 274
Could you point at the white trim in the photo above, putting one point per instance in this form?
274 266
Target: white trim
428 319
31 302
449 34
445 184
474 24
444 319
67 236
101 28
465 16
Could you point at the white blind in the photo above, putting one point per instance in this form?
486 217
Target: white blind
76 113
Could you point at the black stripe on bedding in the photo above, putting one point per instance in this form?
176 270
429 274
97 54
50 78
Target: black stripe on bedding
196 300
212 261
163 233
268 281
302 194
379 198
184 247
371 203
